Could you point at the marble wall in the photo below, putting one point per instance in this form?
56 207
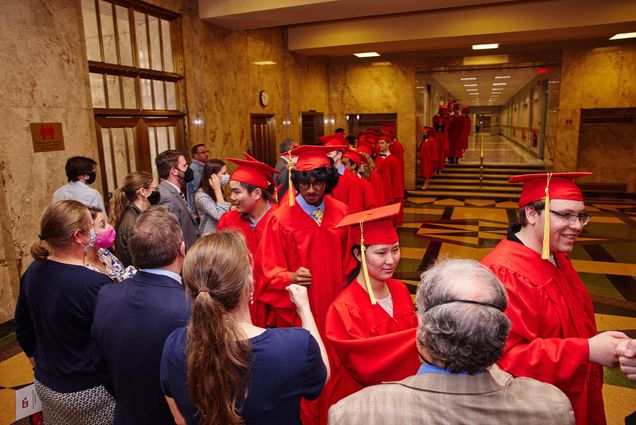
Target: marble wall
44 79
593 78
370 89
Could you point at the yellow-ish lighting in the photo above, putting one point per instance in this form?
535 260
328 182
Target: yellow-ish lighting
498 77
468 78
623 35
485 46
366 54
265 63
471 85
499 84
381 63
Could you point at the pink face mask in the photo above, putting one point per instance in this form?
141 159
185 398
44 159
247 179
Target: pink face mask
105 238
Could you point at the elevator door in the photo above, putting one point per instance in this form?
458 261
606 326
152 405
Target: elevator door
263 132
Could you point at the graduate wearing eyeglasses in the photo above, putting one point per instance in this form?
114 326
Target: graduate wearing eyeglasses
554 337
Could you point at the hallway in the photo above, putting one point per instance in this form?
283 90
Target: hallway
497 150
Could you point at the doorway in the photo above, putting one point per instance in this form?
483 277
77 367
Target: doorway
362 122
312 125
263 133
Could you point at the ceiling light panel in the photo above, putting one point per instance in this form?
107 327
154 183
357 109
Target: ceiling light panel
485 46
366 54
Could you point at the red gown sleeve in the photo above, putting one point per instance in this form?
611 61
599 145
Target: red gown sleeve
562 362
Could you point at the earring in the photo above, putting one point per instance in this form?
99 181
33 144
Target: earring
251 297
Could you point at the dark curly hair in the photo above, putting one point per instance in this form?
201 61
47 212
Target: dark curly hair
323 174
461 337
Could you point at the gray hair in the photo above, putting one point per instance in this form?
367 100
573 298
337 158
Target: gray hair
286 145
461 336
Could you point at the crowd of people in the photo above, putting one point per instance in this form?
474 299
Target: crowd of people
281 306
444 142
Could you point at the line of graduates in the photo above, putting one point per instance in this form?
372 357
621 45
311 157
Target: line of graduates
446 140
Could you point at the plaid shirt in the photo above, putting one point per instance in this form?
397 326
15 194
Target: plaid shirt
494 397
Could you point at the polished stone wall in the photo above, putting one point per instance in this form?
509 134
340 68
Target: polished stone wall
366 88
44 79
594 78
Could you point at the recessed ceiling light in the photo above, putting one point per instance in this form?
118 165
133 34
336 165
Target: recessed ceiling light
468 78
499 84
472 89
623 35
499 77
497 89
366 54
485 46
471 85
265 63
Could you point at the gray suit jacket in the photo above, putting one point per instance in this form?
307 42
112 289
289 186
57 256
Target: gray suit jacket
171 198
494 397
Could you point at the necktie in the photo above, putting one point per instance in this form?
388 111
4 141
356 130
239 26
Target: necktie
317 215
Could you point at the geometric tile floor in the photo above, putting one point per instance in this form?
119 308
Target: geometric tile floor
604 255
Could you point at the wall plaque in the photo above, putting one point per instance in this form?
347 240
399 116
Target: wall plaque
47 136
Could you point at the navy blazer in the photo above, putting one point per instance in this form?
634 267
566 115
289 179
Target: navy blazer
172 199
132 321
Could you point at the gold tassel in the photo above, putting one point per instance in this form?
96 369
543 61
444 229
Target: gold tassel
365 271
545 252
291 196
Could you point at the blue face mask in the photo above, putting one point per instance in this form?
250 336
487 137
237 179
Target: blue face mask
225 179
91 241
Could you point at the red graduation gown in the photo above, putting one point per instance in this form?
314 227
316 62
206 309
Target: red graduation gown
234 220
466 126
426 154
455 128
349 191
552 318
367 191
378 186
396 148
389 169
292 239
366 345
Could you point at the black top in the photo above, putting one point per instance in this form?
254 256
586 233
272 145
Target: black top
53 319
512 230
132 321
285 365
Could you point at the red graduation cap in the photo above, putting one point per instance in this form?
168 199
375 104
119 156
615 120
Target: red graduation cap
353 156
372 227
546 186
335 139
252 171
560 185
311 157
429 129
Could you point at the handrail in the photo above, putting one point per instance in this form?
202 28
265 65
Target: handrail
481 159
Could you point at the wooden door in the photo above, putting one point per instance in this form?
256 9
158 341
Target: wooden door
312 127
263 132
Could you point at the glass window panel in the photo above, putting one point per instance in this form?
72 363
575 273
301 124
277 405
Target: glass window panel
153 150
142 40
114 95
155 43
108 31
168 64
162 139
97 90
125 43
160 99
171 96
91 36
108 166
130 100
132 160
146 94
173 142
118 143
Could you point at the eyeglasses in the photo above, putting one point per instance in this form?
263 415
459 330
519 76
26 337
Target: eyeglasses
583 218
316 185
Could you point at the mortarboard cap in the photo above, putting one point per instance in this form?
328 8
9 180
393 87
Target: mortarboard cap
335 139
251 171
353 156
371 227
311 157
561 186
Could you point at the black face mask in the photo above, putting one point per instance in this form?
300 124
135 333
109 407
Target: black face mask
188 175
154 197
91 177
